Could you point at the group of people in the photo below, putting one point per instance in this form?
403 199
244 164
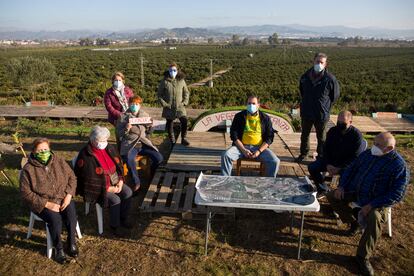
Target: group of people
374 179
48 184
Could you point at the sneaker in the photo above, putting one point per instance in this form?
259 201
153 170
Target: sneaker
300 158
322 187
185 142
364 266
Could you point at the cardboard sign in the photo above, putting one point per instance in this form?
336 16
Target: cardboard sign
140 121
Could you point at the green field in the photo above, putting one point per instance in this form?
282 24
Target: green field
372 79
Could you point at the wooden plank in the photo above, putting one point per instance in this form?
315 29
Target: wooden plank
151 190
164 191
190 190
177 191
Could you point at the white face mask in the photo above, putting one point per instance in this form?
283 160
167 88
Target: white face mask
318 67
101 145
173 72
376 151
117 85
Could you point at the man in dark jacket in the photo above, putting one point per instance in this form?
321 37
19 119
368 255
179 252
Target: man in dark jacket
251 132
342 146
376 180
319 89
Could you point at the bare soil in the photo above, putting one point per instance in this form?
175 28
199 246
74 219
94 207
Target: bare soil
252 243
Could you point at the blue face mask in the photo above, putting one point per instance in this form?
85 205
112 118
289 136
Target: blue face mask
252 108
134 108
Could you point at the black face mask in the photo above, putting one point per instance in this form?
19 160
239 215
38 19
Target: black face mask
341 126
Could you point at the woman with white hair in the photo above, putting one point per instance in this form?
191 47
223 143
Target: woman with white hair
100 178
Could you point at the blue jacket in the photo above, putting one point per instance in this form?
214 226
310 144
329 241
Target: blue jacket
239 122
317 97
377 180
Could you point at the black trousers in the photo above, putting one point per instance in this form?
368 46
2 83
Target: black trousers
119 205
54 222
170 127
320 127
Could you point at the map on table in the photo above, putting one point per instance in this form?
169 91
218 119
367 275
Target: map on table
256 190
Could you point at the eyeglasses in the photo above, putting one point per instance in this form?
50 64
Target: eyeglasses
173 70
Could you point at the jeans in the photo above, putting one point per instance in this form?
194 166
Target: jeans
267 157
155 156
54 223
320 127
119 205
317 169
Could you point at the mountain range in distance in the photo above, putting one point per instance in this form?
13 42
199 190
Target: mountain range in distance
284 31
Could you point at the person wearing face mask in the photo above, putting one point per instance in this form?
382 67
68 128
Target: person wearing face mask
174 96
341 147
47 186
252 133
100 178
116 98
319 89
376 180
134 141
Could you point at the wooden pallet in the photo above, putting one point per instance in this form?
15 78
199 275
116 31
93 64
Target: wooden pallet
171 192
203 154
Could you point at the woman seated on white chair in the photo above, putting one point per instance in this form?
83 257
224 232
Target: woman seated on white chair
100 178
47 185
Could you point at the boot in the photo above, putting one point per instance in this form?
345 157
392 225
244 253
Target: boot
73 250
185 142
170 128
60 256
364 266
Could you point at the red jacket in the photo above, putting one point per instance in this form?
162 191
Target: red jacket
112 104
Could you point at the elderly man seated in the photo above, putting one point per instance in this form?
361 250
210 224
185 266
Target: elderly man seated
340 149
377 179
251 133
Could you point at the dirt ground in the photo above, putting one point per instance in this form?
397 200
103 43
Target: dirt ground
251 243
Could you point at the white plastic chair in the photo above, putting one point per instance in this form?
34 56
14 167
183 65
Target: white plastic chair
387 213
33 218
99 211
99 215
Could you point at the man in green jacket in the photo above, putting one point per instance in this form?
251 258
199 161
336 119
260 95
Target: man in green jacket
173 95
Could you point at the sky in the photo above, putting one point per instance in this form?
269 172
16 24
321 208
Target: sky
118 15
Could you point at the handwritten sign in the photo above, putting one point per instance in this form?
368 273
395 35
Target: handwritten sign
140 121
219 119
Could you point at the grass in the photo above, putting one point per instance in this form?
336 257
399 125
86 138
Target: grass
257 243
